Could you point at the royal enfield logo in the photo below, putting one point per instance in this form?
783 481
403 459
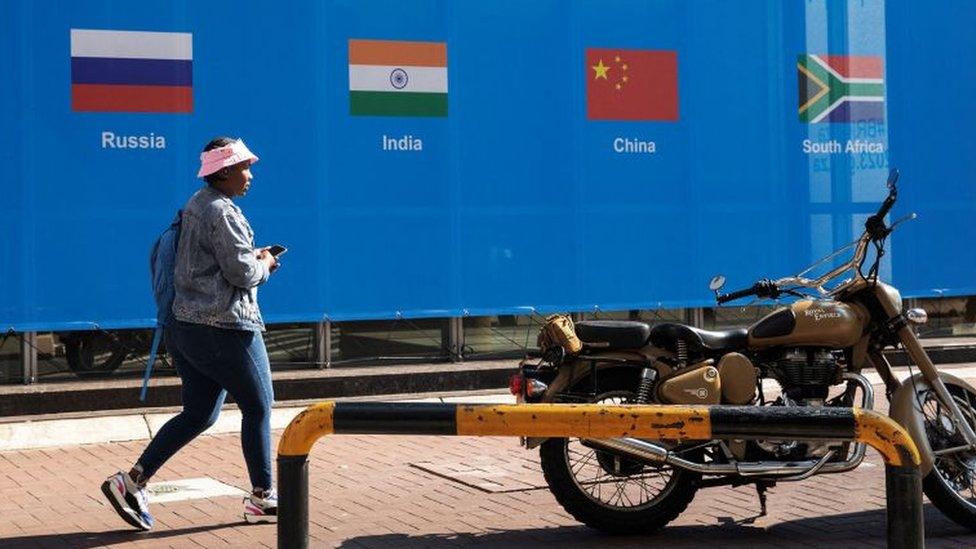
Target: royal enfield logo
821 314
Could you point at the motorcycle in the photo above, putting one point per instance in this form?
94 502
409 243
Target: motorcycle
814 349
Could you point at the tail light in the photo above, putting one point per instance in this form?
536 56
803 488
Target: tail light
515 384
520 386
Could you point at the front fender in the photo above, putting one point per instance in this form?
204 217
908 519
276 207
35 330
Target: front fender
906 411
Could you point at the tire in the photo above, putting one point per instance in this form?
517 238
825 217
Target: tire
956 468
93 354
672 499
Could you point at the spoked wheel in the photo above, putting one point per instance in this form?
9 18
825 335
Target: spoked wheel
615 481
610 492
951 485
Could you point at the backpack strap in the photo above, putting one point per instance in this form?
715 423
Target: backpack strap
157 336
158 332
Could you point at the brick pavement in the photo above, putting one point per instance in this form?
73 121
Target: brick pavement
371 491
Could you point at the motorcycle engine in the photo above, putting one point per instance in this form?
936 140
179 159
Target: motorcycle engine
805 374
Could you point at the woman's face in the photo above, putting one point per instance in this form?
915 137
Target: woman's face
239 178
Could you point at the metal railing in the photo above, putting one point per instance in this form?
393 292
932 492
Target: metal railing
905 528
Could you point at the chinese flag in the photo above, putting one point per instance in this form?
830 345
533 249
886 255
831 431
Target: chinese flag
631 84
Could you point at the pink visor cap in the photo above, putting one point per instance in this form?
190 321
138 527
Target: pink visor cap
214 160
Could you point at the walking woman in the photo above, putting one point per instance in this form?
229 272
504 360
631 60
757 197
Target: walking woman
215 339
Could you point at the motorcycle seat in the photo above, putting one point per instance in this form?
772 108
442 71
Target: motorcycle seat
613 334
697 341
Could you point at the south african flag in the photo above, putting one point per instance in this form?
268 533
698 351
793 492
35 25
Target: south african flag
840 88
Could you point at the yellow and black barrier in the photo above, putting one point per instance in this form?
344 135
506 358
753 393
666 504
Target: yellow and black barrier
903 482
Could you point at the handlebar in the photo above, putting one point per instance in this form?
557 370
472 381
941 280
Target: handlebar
763 288
875 225
732 296
875 230
887 204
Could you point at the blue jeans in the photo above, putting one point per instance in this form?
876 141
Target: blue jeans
213 362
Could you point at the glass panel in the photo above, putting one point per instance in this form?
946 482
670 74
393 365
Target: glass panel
11 370
63 356
290 346
651 316
948 316
390 340
726 318
502 335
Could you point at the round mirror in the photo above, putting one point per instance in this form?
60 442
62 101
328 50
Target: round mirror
717 282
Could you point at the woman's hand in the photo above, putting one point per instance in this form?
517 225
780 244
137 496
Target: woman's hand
265 257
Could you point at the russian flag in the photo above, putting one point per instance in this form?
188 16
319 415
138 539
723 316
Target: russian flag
131 71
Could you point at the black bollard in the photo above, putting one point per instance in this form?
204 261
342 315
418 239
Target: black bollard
292 502
906 527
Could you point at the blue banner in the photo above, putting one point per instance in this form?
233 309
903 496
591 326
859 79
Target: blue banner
448 158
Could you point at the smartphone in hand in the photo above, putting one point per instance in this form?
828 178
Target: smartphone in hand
277 249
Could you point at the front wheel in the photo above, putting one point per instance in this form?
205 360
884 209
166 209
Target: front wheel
951 485
609 492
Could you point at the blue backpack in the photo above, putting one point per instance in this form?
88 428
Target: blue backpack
162 268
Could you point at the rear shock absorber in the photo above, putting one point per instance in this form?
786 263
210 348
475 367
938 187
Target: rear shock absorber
647 378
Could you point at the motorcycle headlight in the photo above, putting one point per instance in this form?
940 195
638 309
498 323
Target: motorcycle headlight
893 294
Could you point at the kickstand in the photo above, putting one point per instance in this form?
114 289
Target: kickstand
761 488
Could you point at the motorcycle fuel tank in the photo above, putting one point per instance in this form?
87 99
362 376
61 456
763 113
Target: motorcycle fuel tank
810 323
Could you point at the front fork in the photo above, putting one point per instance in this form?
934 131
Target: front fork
917 354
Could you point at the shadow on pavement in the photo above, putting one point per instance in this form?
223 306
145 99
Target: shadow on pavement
90 540
843 530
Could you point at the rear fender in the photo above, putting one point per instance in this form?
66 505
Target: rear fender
906 411
572 373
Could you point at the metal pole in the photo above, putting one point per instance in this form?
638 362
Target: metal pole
905 530
903 487
293 502
328 343
461 341
28 356
323 344
456 336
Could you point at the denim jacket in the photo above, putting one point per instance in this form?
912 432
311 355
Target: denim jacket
217 272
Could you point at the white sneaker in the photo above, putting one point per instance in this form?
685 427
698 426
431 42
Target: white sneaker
128 499
263 508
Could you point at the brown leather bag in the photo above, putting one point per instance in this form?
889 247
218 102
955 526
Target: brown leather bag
559 331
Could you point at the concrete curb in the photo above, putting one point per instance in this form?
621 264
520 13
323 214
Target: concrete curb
290 385
48 433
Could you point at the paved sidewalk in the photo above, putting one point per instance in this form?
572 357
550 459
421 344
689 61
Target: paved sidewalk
384 491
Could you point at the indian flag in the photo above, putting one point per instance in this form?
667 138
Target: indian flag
397 78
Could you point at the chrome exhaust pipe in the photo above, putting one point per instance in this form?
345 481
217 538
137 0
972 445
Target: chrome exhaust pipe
642 450
860 449
649 452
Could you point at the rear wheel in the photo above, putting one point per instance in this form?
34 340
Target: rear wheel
610 492
951 485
